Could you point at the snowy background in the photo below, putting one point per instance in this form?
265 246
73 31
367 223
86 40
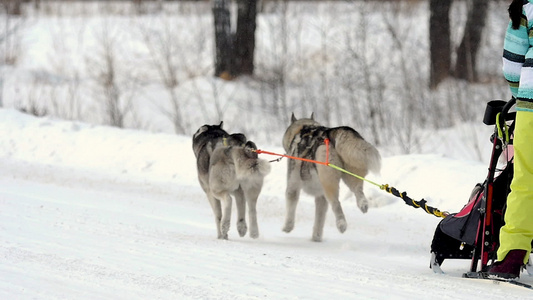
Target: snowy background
358 63
90 211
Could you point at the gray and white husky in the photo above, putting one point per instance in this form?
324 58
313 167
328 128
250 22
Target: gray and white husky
228 165
305 138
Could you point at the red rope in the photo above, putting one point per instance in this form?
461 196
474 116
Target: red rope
326 163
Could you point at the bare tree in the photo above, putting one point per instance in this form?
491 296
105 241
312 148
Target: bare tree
234 54
223 39
465 65
13 7
139 6
439 34
439 41
245 37
9 38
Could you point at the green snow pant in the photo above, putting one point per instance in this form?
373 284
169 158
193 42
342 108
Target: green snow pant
517 232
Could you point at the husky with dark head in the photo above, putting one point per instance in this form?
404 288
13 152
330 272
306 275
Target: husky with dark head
228 165
305 138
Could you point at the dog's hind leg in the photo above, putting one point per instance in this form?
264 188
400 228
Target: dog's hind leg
217 211
333 198
321 207
226 215
252 193
292 194
241 211
356 186
362 202
330 179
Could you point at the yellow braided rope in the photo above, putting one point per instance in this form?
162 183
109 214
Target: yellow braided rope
385 187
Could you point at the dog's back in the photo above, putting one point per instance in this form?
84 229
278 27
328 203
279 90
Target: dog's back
355 152
234 166
304 136
206 139
204 142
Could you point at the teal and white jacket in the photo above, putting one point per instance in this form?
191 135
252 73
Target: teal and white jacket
518 59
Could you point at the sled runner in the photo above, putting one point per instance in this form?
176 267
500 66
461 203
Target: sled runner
473 232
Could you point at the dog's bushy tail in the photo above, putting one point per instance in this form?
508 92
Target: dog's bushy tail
249 165
252 169
354 150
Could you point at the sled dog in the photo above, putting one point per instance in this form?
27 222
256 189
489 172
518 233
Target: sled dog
305 138
228 165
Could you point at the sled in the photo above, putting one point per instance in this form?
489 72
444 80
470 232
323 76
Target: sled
473 232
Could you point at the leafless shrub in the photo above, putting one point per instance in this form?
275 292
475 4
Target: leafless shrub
34 100
166 58
104 68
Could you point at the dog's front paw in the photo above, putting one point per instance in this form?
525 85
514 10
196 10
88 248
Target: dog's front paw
224 229
316 238
289 226
254 234
342 225
242 228
363 206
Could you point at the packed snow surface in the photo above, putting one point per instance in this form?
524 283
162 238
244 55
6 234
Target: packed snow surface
91 212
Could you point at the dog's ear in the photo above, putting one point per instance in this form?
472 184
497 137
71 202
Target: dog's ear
293 118
201 130
251 145
220 125
250 149
312 116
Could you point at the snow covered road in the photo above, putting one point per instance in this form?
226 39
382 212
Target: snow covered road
97 233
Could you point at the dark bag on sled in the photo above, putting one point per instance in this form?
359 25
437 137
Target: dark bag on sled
456 235
473 232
